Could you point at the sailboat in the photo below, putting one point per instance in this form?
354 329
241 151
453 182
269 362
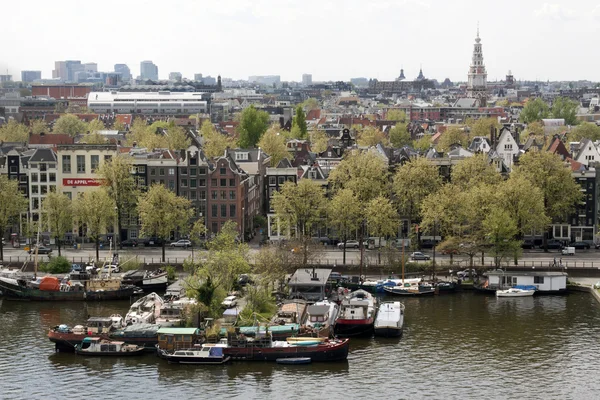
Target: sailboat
409 288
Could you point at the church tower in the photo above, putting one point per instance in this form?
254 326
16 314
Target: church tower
477 83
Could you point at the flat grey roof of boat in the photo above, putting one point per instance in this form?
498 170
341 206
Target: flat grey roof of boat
303 277
526 273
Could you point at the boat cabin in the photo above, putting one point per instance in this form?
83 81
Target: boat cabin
544 281
309 283
171 338
318 314
99 325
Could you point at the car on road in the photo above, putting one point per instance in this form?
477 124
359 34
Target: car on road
350 244
113 269
323 240
528 244
76 268
229 302
244 280
181 243
465 274
129 243
417 255
153 242
580 245
553 244
40 250
428 243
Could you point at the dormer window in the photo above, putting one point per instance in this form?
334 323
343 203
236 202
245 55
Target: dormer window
241 156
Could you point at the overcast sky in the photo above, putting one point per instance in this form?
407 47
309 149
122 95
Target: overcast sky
331 39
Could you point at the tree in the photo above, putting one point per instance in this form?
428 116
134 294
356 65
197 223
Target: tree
13 132
69 124
344 215
119 126
161 212
215 143
399 136
565 108
310 104
38 126
534 128
12 204
300 207
370 136
299 123
423 144
197 233
585 130
483 126
534 110
453 135
500 231
58 213
413 182
177 138
120 186
95 125
94 138
382 219
396 115
253 123
273 143
95 210
474 170
318 140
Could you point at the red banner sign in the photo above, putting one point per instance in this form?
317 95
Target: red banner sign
81 182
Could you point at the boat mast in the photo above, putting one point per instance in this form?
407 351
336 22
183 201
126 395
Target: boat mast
403 243
35 259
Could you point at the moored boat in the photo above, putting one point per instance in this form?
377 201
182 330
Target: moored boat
390 319
148 281
208 354
290 312
515 292
294 361
145 310
357 314
95 346
321 318
411 289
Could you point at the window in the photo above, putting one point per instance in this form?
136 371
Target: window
184 183
69 195
23 179
193 195
213 182
223 195
508 146
161 171
162 181
539 280
281 180
215 227
183 171
213 195
202 182
14 170
232 182
43 189
272 180
223 171
241 156
193 183
184 193
95 162
224 210
34 166
66 164
193 171
36 204
34 189
141 169
81 164
193 161
107 158
202 171
202 195
214 210
232 210
34 177
232 195
52 177
171 184
153 172
223 182
171 171
43 167
43 177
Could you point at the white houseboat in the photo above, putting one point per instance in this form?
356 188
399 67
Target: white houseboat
546 282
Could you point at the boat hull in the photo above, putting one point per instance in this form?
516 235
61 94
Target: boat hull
355 328
318 353
402 292
18 292
172 359
136 352
294 361
66 342
388 331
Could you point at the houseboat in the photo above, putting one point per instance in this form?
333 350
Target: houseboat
291 312
172 339
321 318
145 310
357 314
148 281
545 282
95 346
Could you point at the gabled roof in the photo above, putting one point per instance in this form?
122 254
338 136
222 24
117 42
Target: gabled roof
254 155
41 155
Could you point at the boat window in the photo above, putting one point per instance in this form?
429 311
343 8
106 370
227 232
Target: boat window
104 347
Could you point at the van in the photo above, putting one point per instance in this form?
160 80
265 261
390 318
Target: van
568 251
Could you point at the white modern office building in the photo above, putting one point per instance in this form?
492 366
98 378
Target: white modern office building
155 103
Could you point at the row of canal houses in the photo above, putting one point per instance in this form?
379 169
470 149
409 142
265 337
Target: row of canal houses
239 185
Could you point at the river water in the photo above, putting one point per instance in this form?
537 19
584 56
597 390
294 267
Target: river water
454 346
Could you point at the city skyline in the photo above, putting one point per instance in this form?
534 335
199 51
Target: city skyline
352 39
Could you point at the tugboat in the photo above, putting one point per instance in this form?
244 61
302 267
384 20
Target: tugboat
357 315
95 346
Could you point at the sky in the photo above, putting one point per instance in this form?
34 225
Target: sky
330 39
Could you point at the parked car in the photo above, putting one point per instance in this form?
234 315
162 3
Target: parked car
580 245
465 274
129 243
181 243
528 244
417 255
350 244
153 242
324 240
553 244
229 302
114 269
40 250
244 280
76 268
428 243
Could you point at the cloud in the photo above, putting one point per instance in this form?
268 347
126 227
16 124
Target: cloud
596 11
554 12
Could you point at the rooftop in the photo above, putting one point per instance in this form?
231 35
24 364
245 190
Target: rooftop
303 277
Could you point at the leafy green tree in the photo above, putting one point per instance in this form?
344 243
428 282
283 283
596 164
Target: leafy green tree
585 130
474 170
94 138
12 204
299 123
95 125
177 138
318 140
215 143
300 207
565 108
120 186
70 124
273 143
382 219
253 123
96 210
310 104
13 132
423 144
453 135
57 265
344 215
413 182
483 126
58 213
500 231
396 115
399 136
370 136
162 212
118 126
535 110
197 233
38 126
